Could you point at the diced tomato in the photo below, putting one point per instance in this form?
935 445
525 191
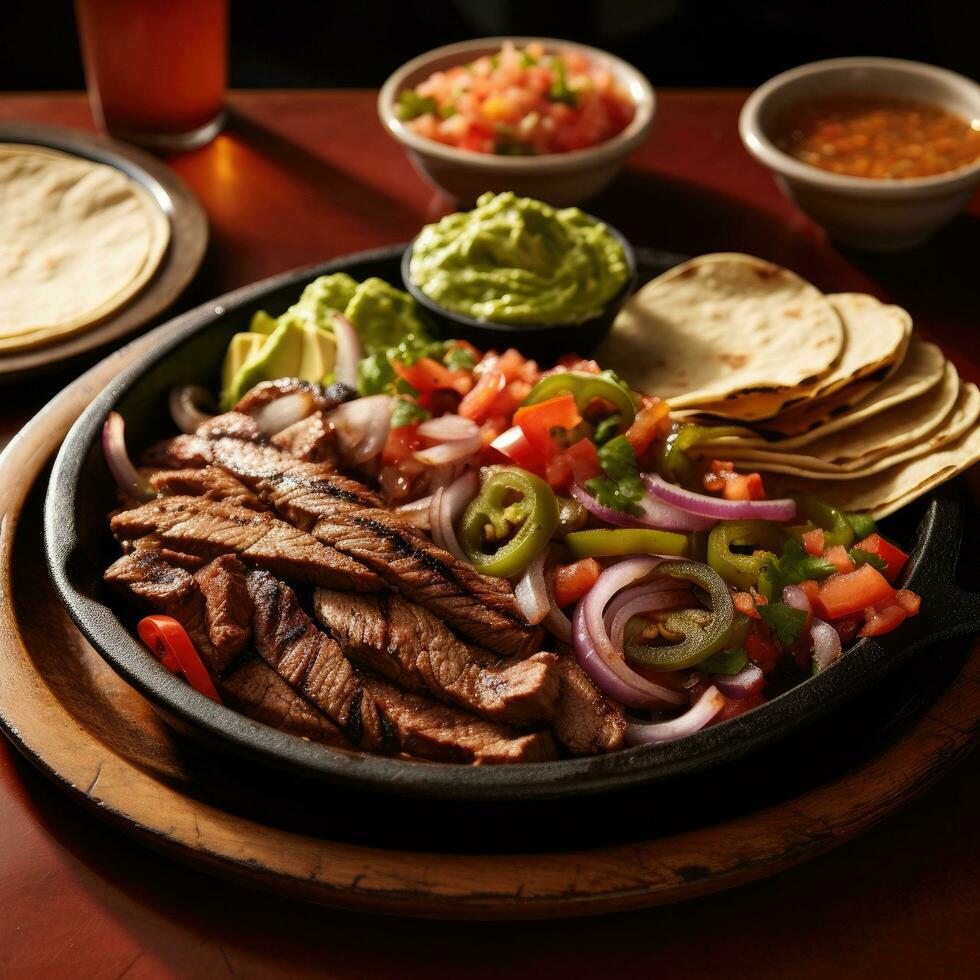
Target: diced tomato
427 374
573 581
909 601
894 558
652 422
762 651
810 588
745 604
402 442
558 472
584 459
537 421
721 476
169 642
813 542
513 445
476 404
846 594
737 706
511 364
511 398
840 558
883 619
494 426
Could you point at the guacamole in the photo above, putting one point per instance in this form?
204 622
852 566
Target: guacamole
516 260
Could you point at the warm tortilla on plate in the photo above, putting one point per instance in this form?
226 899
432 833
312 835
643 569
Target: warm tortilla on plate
892 489
920 370
729 330
960 420
77 241
907 424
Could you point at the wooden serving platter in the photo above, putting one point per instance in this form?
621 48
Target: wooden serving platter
98 739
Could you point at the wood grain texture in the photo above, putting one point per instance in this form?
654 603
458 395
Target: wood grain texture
305 176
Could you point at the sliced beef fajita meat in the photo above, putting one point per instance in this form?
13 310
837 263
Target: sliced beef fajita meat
322 398
587 722
152 542
373 713
177 453
231 425
210 528
247 683
207 481
227 608
410 646
310 440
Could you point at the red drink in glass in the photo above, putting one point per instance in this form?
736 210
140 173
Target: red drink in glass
156 69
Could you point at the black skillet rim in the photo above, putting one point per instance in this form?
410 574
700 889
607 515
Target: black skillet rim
222 727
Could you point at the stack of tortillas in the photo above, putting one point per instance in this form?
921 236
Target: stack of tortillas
78 240
835 393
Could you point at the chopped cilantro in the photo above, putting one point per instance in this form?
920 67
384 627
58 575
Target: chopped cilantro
621 486
793 567
375 374
459 358
606 429
861 524
725 661
413 349
861 557
559 91
407 412
411 105
786 622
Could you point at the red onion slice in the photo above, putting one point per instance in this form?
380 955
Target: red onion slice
128 478
185 407
350 350
693 720
447 505
361 427
794 596
449 452
531 591
826 643
417 512
718 507
656 514
556 622
281 413
747 683
651 602
447 428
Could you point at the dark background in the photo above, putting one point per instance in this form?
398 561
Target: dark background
338 43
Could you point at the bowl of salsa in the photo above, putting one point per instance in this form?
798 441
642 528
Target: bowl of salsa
545 118
879 151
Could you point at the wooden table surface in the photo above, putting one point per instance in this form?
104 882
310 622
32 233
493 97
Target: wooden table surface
300 177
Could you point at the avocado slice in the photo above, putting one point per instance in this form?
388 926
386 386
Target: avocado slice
278 357
243 347
319 354
263 323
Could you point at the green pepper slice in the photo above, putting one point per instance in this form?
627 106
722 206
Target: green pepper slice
701 639
585 388
604 543
818 513
509 522
674 464
742 571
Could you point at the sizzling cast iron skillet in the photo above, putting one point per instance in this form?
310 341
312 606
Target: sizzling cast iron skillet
79 548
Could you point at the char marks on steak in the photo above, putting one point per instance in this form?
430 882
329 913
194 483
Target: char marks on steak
210 528
587 721
207 481
373 713
411 647
346 515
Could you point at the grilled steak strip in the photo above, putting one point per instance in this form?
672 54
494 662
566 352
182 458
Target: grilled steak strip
587 721
207 481
324 399
227 608
177 453
250 685
410 646
343 513
153 542
209 528
373 713
310 440
231 425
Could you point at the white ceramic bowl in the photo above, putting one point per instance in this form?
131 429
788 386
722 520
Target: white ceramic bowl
559 178
877 214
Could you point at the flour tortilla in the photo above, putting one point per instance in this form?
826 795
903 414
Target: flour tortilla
921 369
907 424
727 330
960 420
77 241
892 489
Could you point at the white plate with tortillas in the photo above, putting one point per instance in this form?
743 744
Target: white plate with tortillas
96 240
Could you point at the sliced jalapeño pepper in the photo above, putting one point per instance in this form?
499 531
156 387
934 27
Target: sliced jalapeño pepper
818 513
674 464
705 632
585 388
510 521
742 571
604 543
